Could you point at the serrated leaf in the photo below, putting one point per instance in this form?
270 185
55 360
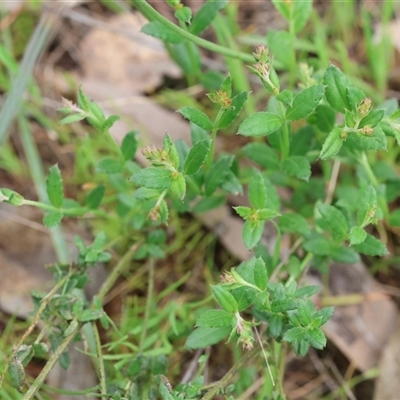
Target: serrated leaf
376 141
196 157
294 223
344 255
319 246
283 305
69 119
332 144
357 235
215 319
197 117
260 124
305 102
129 145
109 166
230 114
206 15
336 90
243 211
260 274
252 232
295 12
333 221
297 166
371 246
17 375
153 178
316 338
265 214
372 119
54 186
160 31
325 314
52 219
224 298
91 315
204 337
217 173
257 191
367 205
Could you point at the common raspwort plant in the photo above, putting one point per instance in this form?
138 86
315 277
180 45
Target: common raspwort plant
307 135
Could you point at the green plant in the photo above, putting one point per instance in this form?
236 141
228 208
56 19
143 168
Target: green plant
320 137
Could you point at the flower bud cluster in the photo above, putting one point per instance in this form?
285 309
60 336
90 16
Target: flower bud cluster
264 70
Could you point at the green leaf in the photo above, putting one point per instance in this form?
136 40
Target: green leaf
243 211
204 337
372 119
275 324
260 124
283 305
224 298
153 178
319 246
231 184
316 338
367 205
344 255
184 14
265 214
326 117
129 145
357 235
206 15
252 232
52 219
294 223
333 221
297 166
336 91
295 335
262 154
17 374
257 191
230 114
376 141
160 31
109 166
295 12
325 314
215 319
217 174
305 102
260 274
196 157
355 96
69 119
332 144
54 186
209 203
93 199
91 315
226 85
197 117
281 46
371 246
286 97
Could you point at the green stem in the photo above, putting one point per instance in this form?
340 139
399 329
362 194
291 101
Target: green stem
363 160
50 365
210 156
285 138
235 66
116 272
32 326
103 385
225 381
152 15
149 297
38 177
